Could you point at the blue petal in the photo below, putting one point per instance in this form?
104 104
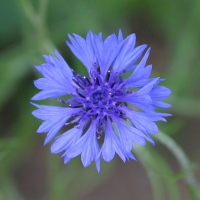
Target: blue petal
99 50
83 49
141 98
49 93
126 48
128 135
127 55
87 146
147 72
111 144
161 104
57 81
144 125
66 159
120 36
106 51
64 67
133 57
164 114
66 140
143 102
142 120
55 117
130 68
140 71
38 68
146 89
160 92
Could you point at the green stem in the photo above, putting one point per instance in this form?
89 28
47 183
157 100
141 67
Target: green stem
43 9
29 12
37 20
182 159
156 166
145 159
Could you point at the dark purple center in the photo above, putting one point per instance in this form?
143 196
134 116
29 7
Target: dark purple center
97 97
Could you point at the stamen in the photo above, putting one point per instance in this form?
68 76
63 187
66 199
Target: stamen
85 78
64 102
105 119
76 106
113 84
124 118
94 117
77 83
97 81
88 109
108 75
82 125
130 92
97 101
80 78
74 72
100 134
74 102
95 65
122 74
125 104
73 121
80 94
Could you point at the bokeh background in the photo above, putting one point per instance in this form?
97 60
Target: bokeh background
31 28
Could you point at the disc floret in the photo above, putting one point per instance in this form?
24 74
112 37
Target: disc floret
97 97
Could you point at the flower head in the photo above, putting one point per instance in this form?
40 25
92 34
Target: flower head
100 100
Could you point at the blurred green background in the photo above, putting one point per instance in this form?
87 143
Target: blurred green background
29 29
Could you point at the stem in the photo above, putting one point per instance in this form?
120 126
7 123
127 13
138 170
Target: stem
43 9
37 20
182 159
156 166
146 160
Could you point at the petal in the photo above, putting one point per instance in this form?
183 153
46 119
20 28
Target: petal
127 55
141 72
87 146
49 93
143 102
57 81
127 47
106 51
130 68
146 89
120 36
111 144
133 57
83 49
54 118
142 122
128 135
141 98
161 104
160 92
64 141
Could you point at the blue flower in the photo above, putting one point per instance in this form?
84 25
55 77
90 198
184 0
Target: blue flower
99 108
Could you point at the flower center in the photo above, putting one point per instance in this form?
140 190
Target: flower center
97 97
100 97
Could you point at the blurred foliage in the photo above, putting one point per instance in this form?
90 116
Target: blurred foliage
31 28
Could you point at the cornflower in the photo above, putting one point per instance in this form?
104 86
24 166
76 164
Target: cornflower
99 107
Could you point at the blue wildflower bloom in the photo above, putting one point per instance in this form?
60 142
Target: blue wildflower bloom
100 102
